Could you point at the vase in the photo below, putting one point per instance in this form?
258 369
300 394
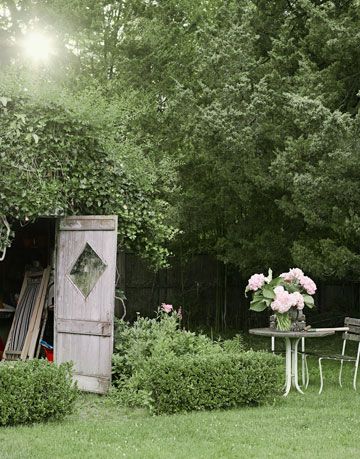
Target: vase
297 318
293 320
293 316
283 322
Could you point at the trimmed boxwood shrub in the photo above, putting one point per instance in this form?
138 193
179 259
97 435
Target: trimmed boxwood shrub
34 391
148 338
212 381
167 369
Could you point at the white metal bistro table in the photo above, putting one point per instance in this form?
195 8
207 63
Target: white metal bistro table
291 344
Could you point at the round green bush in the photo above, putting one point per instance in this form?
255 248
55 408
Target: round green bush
34 391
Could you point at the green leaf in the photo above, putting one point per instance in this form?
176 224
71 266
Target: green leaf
4 100
268 302
309 300
268 292
258 296
290 288
277 281
258 306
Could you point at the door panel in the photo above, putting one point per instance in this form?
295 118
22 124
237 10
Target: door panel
85 291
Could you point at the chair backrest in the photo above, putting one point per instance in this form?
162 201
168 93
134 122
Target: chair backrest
354 329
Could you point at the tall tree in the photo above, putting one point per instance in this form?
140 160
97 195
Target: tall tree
244 112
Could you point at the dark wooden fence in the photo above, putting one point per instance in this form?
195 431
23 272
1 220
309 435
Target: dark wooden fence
211 295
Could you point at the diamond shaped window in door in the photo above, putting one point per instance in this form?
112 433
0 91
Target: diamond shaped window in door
87 270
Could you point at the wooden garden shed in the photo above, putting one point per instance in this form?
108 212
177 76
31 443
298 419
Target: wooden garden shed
80 252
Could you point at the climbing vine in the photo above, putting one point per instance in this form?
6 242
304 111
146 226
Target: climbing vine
5 236
53 163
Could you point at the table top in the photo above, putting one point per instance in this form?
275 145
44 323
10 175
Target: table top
290 334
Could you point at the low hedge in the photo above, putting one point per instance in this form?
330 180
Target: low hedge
206 382
34 391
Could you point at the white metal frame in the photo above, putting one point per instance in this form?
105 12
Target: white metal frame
291 377
356 360
291 366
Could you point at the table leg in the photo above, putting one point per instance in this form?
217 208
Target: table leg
294 364
288 366
303 363
291 365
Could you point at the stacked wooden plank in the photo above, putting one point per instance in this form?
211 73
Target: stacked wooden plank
48 304
24 332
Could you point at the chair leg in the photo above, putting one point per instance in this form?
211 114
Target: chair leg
340 373
342 363
321 377
356 366
307 373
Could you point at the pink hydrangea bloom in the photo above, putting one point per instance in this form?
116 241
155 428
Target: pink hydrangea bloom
167 308
308 284
284 300
293 275
298 300
286 276
255 282
296 273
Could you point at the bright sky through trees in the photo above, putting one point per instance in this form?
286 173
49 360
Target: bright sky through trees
37 46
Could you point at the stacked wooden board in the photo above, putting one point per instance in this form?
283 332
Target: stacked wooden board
24 333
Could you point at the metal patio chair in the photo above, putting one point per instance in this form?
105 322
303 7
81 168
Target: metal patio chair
353 334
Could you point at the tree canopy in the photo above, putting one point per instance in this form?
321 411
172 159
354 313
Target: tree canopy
55 161
238 120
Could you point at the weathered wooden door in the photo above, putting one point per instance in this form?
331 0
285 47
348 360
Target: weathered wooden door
84 303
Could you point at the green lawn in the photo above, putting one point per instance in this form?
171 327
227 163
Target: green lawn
301 426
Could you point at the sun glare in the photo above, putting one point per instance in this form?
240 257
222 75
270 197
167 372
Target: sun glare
37 46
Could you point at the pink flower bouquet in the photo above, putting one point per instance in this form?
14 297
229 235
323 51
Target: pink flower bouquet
288 292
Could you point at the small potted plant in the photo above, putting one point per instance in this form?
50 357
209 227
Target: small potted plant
285 295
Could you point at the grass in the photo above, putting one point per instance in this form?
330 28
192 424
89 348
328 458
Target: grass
301 426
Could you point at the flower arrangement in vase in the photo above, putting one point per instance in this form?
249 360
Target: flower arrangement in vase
285 295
